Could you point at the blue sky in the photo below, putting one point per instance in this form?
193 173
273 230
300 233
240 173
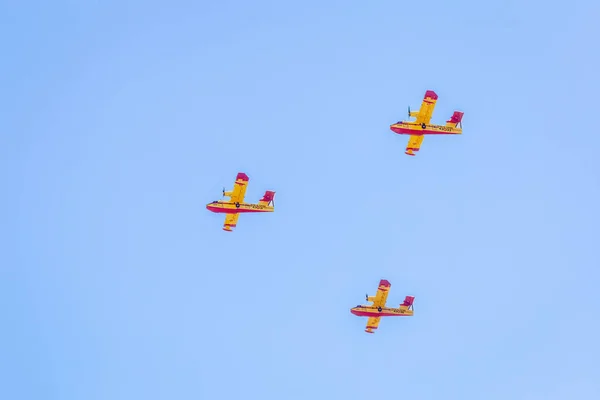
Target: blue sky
119 121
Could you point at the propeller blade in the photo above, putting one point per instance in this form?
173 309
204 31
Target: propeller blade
408 111
367 297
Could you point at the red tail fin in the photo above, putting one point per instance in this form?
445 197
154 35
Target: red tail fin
408 301
455 119
268 197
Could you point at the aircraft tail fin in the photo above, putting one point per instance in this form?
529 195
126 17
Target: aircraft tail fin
455 119
268 198
407 304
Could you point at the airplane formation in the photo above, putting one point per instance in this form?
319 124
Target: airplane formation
416 130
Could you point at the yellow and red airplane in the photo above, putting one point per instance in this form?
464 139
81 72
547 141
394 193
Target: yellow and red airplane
420 127
378 309
235 206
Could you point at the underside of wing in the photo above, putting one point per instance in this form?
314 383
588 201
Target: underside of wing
239 188
427 106
230 222
382 293
414 144
372 324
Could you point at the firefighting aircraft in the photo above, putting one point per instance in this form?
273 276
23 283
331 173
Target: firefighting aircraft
378 308
236 205
420 127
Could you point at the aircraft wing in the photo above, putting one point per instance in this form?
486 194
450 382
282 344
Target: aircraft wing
230 221
372 324
427 106
414 144
239 188
382 294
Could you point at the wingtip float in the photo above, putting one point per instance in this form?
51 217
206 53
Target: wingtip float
378 310
233 207
420 127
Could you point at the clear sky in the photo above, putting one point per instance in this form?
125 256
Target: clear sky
121 120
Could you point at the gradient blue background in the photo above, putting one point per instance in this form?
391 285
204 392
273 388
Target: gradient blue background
120 120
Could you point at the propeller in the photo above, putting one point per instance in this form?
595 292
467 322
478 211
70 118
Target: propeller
223 191
367 297
408 111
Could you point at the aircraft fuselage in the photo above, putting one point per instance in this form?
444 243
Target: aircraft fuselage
371 311
226 207
412 128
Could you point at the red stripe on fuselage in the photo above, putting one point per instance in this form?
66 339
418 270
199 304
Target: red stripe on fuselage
419 132
220 210
376 314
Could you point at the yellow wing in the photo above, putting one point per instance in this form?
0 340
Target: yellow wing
239 188
426 111
414 144
372 324
230 221
382 294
